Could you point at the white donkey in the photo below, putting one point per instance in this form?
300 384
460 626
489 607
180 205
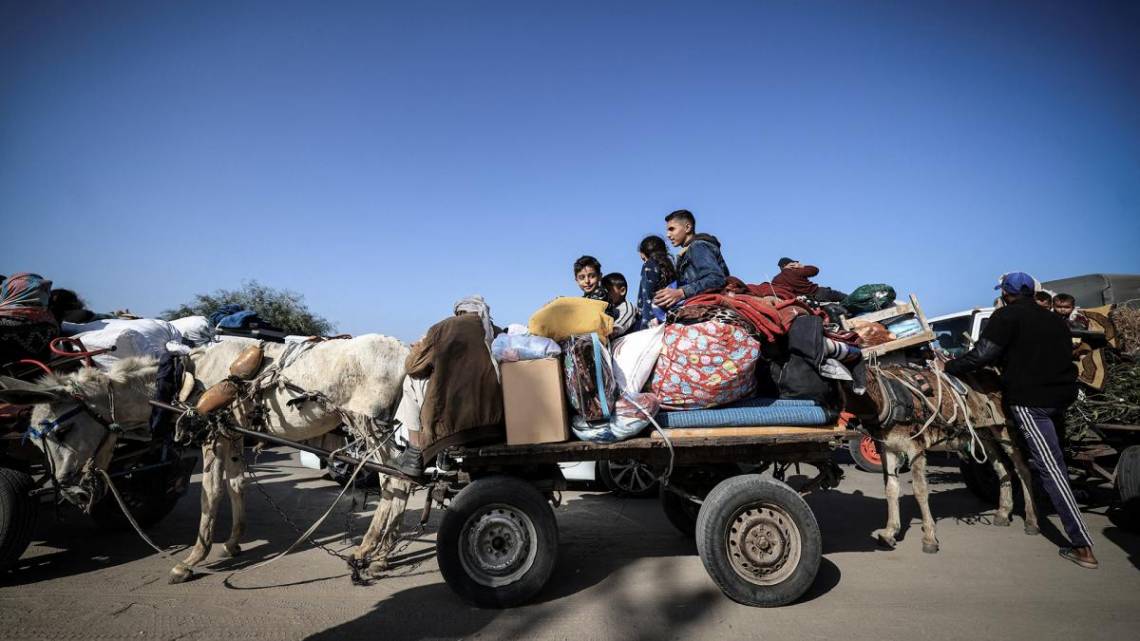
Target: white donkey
359 379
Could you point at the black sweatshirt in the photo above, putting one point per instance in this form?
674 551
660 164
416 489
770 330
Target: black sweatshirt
1033 348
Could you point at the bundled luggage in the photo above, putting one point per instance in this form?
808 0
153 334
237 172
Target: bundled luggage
590 379
705 365
869 298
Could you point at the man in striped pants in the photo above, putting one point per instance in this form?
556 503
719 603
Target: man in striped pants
1033 348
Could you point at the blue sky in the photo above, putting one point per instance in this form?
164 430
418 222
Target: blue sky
387 158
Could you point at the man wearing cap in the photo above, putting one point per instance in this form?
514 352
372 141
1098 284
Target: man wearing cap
796 277
1033 348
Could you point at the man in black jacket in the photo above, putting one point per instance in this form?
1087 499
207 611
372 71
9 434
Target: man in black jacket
1033 348
700 265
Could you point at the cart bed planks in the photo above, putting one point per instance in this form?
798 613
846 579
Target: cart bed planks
689 445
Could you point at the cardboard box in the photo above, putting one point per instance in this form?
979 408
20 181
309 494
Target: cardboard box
534 402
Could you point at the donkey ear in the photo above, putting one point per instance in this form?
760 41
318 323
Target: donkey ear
17 392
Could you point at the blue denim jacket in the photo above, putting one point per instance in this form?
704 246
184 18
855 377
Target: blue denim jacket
701 268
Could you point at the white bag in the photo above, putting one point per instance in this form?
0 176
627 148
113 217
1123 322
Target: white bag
635 356
196 329
143 337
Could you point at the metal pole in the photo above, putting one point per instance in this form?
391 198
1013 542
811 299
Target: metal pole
323 453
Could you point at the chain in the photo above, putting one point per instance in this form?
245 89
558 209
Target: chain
285 517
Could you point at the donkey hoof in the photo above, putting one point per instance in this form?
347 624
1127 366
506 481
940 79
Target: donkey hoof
179 574
230 551
884 539
930 548
1003 521
1032 530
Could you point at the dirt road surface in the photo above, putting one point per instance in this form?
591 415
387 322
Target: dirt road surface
623 573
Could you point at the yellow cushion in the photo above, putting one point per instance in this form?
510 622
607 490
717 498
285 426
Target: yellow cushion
564 317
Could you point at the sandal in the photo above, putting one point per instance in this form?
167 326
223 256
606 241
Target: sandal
1070 554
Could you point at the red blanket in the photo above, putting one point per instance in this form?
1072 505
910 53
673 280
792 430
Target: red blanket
770 319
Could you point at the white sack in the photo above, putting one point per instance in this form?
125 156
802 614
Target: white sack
196 329
635 356
143 337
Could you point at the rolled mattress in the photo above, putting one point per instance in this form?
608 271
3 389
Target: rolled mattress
793 414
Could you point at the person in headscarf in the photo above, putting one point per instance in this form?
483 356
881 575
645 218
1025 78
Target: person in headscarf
26 324
452 394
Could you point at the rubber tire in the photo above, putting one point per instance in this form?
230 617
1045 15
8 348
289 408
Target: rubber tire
18 513
151 495
1128 487
607 480
854 446
681 512
714 520
523 497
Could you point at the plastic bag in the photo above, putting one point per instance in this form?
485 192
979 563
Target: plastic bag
590 380
869 298
508 348
628 420
905 328
635 356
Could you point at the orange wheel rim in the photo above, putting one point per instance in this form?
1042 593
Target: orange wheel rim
867 449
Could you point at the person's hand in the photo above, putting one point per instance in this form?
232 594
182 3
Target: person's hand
668 297
653 322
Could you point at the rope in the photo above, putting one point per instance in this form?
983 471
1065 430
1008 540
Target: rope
135 524
166 555
664 479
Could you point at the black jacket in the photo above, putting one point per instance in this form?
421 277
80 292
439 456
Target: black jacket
1033 348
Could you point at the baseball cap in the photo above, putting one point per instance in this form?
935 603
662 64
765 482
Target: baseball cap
1014 282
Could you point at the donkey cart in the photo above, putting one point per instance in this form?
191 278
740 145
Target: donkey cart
758 539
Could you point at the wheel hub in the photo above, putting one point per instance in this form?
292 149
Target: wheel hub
763 544
497 546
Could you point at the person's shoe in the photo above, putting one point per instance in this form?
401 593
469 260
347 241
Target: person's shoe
410 462
1081 556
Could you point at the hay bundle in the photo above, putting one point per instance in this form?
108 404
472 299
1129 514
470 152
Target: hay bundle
1118 402
1127 323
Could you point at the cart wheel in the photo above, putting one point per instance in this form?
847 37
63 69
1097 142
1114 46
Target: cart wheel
1128 486
759 541
149 494
680 511
498 542
17 515
628 477
865 455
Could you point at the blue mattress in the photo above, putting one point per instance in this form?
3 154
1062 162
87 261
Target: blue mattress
796 413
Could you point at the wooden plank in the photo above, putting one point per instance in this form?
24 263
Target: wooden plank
587 449
883 314
902 343
773 430
918 313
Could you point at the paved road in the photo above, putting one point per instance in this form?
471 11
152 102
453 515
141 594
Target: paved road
624 573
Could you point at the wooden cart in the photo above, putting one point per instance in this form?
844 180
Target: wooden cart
758 539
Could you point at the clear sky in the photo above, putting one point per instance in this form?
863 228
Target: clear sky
386 158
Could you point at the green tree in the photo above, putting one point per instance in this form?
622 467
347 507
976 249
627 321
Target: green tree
280 307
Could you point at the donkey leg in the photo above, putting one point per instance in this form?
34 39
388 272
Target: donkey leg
886 536
922 496
398 503
1021 467
1005 485
375 530
212 481
235 484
